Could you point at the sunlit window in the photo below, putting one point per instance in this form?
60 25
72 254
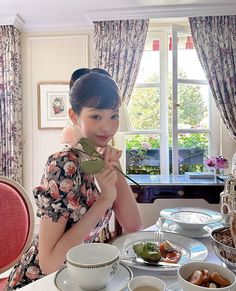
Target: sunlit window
170 109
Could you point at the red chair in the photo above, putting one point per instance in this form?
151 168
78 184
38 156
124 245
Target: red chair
16 224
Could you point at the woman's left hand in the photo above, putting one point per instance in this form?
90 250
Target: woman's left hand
110 154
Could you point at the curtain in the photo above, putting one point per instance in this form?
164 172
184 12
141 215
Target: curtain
10 104
119 45
215 42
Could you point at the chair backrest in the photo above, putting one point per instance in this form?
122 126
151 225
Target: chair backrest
16 222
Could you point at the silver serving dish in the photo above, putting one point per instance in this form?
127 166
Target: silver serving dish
225 253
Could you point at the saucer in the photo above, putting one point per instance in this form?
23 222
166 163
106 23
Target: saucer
63 281
174 287
171 226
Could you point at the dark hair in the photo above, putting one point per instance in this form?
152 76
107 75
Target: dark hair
83 71
94 90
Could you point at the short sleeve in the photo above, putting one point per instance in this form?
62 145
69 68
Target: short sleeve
60 180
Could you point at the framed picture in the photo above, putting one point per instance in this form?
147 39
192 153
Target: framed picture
53 104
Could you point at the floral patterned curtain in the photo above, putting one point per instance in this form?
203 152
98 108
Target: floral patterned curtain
215 41
119 45
10 104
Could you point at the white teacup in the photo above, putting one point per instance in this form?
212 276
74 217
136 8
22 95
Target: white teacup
146 283
92 265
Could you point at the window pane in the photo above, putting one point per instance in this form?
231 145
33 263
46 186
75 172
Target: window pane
193 110
149 71
193 148
144 108
143 154
189 66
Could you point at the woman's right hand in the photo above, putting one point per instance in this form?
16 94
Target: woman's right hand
106 179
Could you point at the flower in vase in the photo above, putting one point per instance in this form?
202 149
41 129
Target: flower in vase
210 162
221 163
217 163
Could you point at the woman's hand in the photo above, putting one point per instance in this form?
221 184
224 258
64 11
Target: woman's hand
106 179
110 154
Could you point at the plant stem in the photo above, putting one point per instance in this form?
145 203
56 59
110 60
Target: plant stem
116 169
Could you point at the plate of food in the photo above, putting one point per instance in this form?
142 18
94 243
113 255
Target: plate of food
177 250
171 226
191 218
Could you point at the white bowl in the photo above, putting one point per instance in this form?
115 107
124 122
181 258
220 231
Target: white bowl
187 269
145 282
191 218
92 265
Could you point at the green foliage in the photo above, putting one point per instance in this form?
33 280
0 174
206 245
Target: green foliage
150 170
145 114
138 141
186 141
87 146
96 164
144 108
193 140
92 166
192 107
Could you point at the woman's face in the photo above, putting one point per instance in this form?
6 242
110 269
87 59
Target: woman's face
98 125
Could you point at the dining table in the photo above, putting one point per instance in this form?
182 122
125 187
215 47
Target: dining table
47 283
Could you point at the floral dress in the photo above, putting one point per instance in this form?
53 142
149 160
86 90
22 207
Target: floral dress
64 191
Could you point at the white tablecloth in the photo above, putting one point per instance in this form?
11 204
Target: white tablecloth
47 283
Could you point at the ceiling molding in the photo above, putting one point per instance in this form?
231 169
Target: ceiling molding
162 11
48 27
14 20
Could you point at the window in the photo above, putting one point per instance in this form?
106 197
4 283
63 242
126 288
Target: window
170 108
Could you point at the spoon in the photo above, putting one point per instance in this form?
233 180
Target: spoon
139 260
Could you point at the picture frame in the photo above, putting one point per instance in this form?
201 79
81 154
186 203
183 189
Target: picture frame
53 104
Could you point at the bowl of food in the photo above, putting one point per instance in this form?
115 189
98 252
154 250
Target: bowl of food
92 266
202 276
223 246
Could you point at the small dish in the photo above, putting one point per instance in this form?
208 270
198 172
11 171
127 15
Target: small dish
191 218
171 226
63 282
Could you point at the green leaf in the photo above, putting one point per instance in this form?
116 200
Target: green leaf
87 146
92 166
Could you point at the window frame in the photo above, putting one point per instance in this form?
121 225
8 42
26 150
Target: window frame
214 128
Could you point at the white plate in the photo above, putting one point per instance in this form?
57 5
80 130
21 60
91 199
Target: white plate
174 287
191 249
171 226
63 281
190 217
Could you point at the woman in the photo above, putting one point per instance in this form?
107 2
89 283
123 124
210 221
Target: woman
71 208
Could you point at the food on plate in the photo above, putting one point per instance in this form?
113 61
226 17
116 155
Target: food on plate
151 252
204 279
147 251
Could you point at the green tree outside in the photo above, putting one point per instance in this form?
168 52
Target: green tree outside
144 111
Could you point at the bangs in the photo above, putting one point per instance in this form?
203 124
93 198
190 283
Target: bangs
103 95
104 102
